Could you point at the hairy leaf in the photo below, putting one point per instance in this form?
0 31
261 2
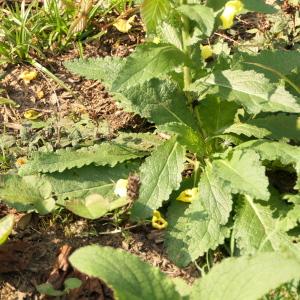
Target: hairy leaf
202 15
80 183
216 115
280 125
252 90
191 232
140 141
246 277
27 193
160 101
258 226
126 274
170 34
104 69
186 136
215 196
103 154
248 130
251 5
243 173
148 61
94 206
273 64
153 12
160 175
269 150
292 217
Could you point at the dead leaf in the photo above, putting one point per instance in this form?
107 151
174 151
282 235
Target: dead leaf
61 267
28 76
40 94
124 25
23 220
91 288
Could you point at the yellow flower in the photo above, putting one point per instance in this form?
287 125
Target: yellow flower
40 94
232 8
156 40
31 114
121 188
158 221
188 195
206 51
27 76
21 161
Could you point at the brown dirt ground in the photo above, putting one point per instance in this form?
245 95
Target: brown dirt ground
32 254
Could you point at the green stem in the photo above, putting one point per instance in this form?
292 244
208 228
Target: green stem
186 49
187 76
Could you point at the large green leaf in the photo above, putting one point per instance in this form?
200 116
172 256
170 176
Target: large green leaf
292 216
154 11
216 115
146 141
251 5
82 182
6 227
160 101
191 232
258 225
27 193
280 125
246 277
94 206
215 196
243 172
270 151
248 130
104 69
250 89
202 15
160 175
148 61
186 136
273 64
102 154
170 34
126 274
259 6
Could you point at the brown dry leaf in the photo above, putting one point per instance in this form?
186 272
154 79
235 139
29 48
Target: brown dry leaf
40 94
22 220
124 25
15 256
27 76
61 267
90 289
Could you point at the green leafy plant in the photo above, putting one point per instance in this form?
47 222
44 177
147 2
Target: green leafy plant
220 117
49 290
234 278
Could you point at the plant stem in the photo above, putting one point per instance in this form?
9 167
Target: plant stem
187 77
185 41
